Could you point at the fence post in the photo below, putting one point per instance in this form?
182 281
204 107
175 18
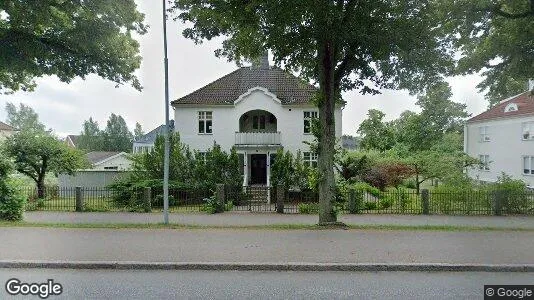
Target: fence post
497 198
425 201
280 193
79 199
353 209
219 197
147 199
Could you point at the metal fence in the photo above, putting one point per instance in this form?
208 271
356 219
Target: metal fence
265 199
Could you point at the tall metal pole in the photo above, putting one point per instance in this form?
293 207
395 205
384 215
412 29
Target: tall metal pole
166 133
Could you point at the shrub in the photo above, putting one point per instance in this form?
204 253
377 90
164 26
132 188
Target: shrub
229 206
308 208
385 203
370 205
410 184
514 194
366 188
446 199
12 201
212 206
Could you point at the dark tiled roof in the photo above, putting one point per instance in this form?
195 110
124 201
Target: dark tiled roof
98 156
525 106
4 126
150 137
73 138
225 90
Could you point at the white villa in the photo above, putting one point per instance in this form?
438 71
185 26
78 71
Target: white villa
503 138
257 110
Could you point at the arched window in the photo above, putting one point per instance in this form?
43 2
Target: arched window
510 107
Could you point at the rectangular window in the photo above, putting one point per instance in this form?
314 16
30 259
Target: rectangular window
204 122
310 159
528 165
111 168
484 134
485 162
308 117
528 131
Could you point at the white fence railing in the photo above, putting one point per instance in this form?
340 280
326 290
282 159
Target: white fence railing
257 138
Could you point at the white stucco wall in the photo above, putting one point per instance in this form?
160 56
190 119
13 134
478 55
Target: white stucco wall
290 122
122 162
505 149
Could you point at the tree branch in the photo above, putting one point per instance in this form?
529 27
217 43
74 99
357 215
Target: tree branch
497 9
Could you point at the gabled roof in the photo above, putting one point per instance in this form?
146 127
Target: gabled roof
73 139
225 90
150 137
97 157
6 127
525 107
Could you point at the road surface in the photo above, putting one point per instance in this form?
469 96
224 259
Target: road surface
107 284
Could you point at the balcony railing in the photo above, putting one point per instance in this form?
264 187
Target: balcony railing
257 138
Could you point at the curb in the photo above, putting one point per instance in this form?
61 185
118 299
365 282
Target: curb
230 266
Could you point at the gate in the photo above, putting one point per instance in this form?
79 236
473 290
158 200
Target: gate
255 198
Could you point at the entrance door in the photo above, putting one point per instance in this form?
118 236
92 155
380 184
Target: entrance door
258 169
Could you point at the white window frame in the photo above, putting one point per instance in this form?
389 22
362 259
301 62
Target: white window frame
310 159
484 158
309 116
527 131
528 162
510 107
483 132
205 118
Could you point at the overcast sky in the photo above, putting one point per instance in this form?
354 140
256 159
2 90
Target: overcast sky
63 107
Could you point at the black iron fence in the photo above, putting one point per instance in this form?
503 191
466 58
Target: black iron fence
265 199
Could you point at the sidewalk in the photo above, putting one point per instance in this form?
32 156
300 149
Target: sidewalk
266 246
230 219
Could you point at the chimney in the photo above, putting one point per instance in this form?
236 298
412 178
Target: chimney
262 62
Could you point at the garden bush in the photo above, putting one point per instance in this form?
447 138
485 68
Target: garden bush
366 188
448 199
12 201
514 194
370 205
308 208
212 206
386 203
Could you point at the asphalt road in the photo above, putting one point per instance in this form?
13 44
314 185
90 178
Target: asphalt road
269 246
91 284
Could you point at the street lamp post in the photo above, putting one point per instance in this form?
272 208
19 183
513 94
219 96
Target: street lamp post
166 132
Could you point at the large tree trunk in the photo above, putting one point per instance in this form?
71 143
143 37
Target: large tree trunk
327 134
40 189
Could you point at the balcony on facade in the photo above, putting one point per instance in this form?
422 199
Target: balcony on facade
257 128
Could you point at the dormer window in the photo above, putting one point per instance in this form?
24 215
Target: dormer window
510 107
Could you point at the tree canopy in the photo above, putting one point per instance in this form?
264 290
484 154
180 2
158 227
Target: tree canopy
339 45
24 118
494 38
68 39
116 136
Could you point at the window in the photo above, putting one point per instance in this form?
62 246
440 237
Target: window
204 122
510 107
528 131
484 134
485 162
310 159
528 165
111 168
258 122
308 117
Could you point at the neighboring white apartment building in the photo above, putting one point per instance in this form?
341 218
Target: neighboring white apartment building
147 141
257 110
503 138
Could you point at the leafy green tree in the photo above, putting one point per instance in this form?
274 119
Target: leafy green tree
36 154
11 200
376 134
494 38
91 138
117 136
138 131
68 39
24 118
340 45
